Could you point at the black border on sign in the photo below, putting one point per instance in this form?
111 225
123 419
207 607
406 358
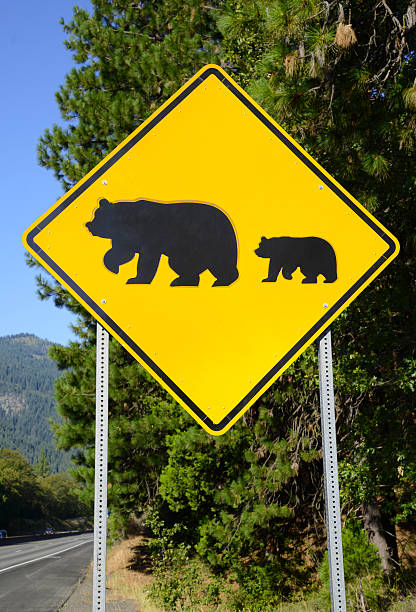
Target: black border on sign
320 325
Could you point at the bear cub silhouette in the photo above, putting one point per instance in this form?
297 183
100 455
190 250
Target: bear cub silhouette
194 236
312 255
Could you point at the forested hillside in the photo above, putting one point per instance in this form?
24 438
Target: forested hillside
27 378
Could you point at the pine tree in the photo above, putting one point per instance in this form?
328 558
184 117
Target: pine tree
43 467
339 77
130 58
21 496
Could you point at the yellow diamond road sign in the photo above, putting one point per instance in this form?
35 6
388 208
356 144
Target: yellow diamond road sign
212 246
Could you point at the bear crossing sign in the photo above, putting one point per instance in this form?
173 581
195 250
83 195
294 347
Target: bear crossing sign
212 246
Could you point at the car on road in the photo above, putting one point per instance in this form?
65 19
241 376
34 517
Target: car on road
3 534
48 531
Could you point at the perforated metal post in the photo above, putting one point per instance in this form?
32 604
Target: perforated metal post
101 454
331 484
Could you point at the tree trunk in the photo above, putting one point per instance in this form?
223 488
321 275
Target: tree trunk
383 538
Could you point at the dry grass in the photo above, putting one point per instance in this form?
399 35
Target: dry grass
410 97
406 543
128 572
408 605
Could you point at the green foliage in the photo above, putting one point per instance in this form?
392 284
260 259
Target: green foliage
140 416
260 587
131 57
62 497
27 495
362 569
183 581
20 492
42 468
360 556
176 577
233 492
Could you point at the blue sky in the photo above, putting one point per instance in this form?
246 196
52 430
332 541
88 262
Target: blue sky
34 64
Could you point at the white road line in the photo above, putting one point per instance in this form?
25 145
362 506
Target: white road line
45 557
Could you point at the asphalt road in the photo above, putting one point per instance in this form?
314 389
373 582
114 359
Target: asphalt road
39 576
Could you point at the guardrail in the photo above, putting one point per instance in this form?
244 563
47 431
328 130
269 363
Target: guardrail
37 536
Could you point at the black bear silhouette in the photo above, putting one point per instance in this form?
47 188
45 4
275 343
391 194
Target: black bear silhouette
194 236
311 254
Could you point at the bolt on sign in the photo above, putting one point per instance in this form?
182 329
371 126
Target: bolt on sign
212 246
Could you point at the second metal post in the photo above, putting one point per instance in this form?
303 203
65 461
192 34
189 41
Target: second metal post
331 484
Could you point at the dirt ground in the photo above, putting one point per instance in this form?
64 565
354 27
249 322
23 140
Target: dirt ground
128 573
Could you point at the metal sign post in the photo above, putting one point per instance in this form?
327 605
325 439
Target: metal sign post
101 454
331 485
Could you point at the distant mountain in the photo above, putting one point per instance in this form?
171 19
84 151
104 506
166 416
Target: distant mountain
27 377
